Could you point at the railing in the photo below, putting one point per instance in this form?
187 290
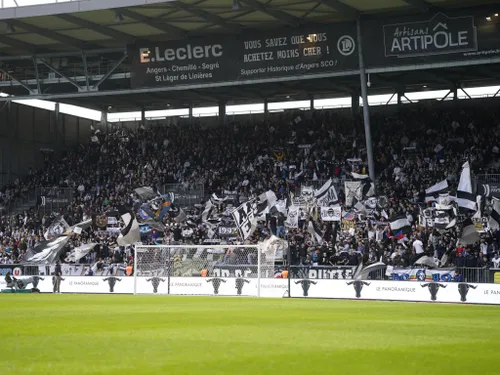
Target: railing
52 199
488 178
470 275
186 194
19 270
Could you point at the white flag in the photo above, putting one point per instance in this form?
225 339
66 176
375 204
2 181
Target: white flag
331 213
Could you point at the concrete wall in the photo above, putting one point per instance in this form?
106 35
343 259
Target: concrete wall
25 131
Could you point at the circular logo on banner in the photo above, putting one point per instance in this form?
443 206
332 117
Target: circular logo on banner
17 271
346 45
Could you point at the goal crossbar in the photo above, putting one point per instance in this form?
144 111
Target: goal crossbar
143 249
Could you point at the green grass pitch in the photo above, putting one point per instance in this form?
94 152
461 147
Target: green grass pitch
103 334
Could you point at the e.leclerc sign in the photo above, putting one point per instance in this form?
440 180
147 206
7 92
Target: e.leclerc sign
245 57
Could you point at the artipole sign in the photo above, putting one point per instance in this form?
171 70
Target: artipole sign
430 39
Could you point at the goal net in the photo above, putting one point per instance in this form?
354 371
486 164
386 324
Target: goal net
201 270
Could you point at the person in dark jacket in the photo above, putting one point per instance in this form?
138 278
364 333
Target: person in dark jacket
57 278
10 280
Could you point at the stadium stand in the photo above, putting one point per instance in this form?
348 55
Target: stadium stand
249 159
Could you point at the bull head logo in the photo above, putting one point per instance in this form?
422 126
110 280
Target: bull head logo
358 286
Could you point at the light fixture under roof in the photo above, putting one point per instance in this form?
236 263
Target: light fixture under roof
488 18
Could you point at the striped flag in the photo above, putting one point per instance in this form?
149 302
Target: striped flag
432 193
315 232
494 220
465 199
470 235
130 233
326 195
399 225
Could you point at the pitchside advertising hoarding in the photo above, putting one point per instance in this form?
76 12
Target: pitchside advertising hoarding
246 57
436 38
426 291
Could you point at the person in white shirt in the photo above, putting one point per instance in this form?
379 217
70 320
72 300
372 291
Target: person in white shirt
418 246
484 248
496 261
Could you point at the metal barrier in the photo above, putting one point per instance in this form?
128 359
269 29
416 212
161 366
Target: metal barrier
470 275
186 194
330 273
18 270
53 199
476 275
488 178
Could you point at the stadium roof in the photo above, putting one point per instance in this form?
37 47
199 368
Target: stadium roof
95 24
103 28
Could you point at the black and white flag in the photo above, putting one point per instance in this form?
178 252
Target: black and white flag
399 223
326 195
331 213
307 192
494 220
470 235
216 200
47 252
79 252
130 233
245 216
146 193
315 231
181 216
432 193
292 220
444 217
58 227
465 199
358 190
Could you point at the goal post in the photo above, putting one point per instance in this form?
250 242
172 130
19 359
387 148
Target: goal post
202 269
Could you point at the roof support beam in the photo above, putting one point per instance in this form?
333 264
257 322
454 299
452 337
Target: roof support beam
207 16
419 4
64 76
278 14
37 75
47 54
23 46
111 71
73 42
154 22
20 82
104 30
86 70
343 9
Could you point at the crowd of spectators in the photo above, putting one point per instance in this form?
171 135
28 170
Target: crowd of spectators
413 149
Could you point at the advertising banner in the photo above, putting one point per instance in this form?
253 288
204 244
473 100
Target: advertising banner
424 291
427 291
14 270
428 39
275 54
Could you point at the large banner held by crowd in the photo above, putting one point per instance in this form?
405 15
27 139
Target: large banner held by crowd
246 215
325 49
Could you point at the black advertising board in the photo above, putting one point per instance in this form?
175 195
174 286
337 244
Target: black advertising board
247 57
428 39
